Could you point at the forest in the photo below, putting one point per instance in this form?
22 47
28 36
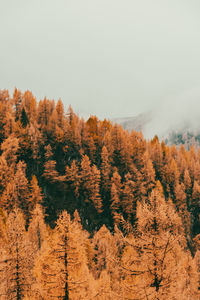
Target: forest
89 210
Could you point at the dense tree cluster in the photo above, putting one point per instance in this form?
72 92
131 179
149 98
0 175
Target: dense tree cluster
91 211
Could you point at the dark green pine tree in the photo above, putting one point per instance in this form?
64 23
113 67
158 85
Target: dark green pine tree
24 118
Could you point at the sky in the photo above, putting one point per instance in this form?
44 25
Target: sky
111 58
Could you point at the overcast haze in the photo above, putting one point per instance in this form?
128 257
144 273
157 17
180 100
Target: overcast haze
108 57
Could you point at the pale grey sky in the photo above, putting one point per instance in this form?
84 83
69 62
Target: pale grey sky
113 58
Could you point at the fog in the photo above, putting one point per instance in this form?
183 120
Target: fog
178 112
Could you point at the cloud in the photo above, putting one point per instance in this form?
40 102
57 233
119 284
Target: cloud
175 113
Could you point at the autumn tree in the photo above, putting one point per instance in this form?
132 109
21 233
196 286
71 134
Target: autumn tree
90 184
171 177
147 175
16 193
24 118
72 177
156 155
188 185
128 199
61 267
50 172
150 258
73 135
181 205
17 100
35 196
37 228
105 170
105 262
195 207
10 147
29 106
45 109
16 263
115 197
4 173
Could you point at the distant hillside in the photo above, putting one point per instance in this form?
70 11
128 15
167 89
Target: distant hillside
186 138
137 123
182 134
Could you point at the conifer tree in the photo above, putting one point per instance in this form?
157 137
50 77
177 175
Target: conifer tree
10 147
195 207
50 172
104 249
105 170
29 106
156 155
24 119
181 204
171 178
8 198
116 192
36 143
90 181
148 175
35 193
45 109
128 198
17 267
150 259
16 193
105 262
61 268
37 229
9 123
38 233
4 174
115 205
72 177
21 188
188 185
95 189
60 113
73 134
17 100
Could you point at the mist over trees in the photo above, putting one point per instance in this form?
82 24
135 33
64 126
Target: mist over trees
89 210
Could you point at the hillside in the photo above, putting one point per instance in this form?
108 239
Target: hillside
137 123
89 210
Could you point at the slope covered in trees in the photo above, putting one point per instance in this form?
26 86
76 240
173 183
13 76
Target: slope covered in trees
91 211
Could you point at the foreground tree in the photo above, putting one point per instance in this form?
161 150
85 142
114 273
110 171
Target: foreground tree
16 266
155 262
105 262
61 268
